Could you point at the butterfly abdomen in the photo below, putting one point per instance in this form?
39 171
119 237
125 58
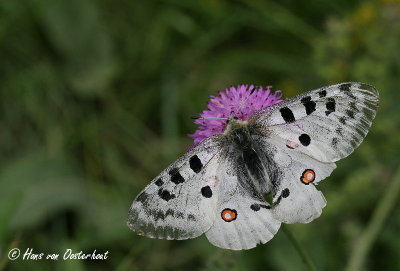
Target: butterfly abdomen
253 175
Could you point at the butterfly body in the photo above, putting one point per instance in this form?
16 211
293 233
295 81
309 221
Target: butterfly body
244 150
284 150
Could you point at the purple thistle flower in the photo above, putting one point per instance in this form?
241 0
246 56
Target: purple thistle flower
240 102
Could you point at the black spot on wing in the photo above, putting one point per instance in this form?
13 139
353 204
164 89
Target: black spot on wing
285 193
169 212
159 182
191 217
256 207
335 142
159 214
176 177
322 93
305 139
174 213
206 192
345 87
351 95
350 113
142 197
339 131
195 164
165 195
308 104
330 106
342 120
287 114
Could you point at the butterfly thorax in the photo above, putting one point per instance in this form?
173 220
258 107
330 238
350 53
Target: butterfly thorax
244 150
233 124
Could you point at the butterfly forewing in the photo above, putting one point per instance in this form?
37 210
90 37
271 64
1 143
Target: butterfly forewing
326 124
180 202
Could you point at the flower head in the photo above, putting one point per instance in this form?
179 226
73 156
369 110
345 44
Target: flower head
240 102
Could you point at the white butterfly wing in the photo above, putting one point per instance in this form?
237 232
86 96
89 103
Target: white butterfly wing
179 203
326 124
243 219
307 134
295 196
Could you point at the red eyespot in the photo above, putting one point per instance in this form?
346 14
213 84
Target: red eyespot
228 215
308 176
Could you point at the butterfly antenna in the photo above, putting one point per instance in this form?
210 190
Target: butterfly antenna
209 118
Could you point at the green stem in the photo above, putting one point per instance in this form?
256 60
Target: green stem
306 260
375 225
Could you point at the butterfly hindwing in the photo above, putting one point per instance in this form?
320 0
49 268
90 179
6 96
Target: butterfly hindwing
326 124
295 198
180 202
243 218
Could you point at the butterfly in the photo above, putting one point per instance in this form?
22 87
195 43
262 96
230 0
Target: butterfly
218 188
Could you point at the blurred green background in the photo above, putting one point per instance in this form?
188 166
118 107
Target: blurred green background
96 99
